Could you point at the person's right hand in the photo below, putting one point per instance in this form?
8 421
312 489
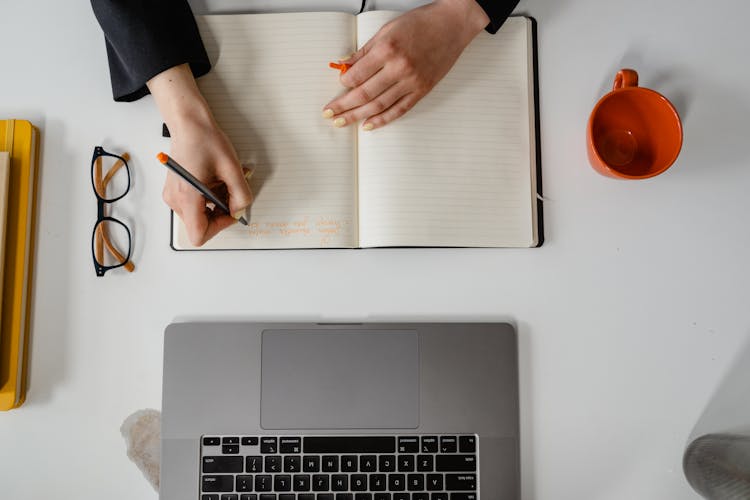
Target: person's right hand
199 145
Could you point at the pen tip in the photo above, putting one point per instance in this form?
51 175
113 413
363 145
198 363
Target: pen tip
243 221
162 157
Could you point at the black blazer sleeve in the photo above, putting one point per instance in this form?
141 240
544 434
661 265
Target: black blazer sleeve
498 11
146 37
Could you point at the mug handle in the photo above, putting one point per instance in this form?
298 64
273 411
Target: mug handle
625 78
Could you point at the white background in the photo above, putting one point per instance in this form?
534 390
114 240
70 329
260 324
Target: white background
633 317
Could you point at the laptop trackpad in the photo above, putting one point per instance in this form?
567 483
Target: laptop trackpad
340 379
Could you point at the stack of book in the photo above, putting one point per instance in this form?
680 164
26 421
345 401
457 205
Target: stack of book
19 145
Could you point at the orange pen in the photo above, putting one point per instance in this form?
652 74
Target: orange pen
343 67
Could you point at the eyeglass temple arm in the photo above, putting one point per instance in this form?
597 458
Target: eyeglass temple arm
102 239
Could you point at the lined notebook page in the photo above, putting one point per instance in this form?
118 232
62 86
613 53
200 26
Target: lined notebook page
269 83
459 168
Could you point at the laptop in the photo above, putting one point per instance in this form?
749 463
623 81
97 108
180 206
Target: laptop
367 411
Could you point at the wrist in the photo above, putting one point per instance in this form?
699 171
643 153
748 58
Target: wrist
179 100
468 13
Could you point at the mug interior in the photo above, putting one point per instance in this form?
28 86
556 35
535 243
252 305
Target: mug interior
636 132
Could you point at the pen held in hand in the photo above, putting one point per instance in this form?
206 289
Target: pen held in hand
190 179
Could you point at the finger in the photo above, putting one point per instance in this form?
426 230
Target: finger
217 223
192 209
360 53
374 107
240 196
363 94
362 70
401 106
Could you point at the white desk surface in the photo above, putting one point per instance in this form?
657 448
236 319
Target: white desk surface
631 318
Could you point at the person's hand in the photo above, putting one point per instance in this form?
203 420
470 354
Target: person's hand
404 61
199 145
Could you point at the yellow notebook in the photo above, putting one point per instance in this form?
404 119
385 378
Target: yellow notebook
21 140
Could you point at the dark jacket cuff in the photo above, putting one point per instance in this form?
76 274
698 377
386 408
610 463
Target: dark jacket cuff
146 37
498 11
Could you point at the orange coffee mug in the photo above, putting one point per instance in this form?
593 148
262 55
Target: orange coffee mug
633 132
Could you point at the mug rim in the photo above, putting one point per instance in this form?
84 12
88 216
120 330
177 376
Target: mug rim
595 150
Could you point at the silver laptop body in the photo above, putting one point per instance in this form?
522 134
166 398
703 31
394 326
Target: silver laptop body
247 407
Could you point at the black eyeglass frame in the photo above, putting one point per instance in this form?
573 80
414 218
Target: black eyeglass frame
100 217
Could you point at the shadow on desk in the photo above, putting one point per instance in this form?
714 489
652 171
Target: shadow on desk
728 411
714 115
49 341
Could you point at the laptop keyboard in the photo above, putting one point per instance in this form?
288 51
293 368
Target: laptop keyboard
429 467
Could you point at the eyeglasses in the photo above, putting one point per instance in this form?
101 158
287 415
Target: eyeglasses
109 233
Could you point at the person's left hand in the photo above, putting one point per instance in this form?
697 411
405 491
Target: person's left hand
404 61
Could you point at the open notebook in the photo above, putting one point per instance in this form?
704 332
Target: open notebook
458 170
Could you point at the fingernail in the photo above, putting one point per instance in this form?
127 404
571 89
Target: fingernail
328 113
346 57
368 126
339 122
249 173
238 214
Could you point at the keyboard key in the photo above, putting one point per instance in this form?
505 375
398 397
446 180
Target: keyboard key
408 444
212 496
461 482
324 496
363 496
253 464
397 482
249 496
282 482
222 464
439 496
290 445
320 482
434 482
230 440
306 497
230 449
287 496
368 463
311 464
378 482
268 445
448 444
249 441
340 482
359 482
268 496
214 484
415 482
401 496
349 444
301 482
420 496
382 496
243 483
429 444
292 464
330 463
467 444
344 496
406 463
463 496
273 463
230 496
263 482
211 441
387 463
349 463
425 463
455 463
